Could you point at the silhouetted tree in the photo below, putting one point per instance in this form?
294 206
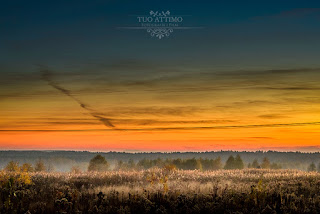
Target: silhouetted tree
265 163
230 164
238 162
211 164
217 164
191 164
98 163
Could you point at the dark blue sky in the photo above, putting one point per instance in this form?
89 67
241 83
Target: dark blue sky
235 35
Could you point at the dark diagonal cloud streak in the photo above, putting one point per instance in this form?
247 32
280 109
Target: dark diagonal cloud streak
47 76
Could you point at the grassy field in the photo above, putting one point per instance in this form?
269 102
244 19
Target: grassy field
162 191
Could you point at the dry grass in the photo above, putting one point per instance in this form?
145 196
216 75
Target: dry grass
148 191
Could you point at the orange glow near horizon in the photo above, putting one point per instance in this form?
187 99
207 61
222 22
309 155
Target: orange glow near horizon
220 139
238 113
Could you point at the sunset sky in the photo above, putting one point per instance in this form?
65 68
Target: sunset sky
246 76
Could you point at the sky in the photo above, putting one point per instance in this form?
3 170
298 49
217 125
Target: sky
238 75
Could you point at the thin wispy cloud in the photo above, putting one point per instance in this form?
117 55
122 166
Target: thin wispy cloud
273 125
272 116
44 122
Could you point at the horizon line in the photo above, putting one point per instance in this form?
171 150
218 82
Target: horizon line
164 152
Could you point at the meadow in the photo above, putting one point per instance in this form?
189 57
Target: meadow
161 190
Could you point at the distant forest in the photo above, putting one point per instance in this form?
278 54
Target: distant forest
64 160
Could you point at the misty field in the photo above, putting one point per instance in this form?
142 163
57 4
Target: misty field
162 191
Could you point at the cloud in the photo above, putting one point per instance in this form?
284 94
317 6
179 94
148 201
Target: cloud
132 76
215 80
272 116
45 122
272 125
293 88
104 120
155 111
143 122
47 76
182 93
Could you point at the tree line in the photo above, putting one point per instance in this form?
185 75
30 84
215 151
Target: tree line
99 163
64 160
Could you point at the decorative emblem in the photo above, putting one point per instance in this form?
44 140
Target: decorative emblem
159 32
159 24
154 14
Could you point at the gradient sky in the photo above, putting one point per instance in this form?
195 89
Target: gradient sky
72 78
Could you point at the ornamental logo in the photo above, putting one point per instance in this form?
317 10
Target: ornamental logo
159 24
